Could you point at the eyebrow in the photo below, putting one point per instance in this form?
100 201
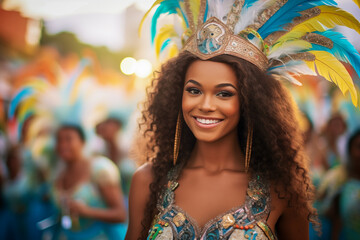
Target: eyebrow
217 86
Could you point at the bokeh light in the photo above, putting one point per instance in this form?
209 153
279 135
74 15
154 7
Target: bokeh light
143 68
128 65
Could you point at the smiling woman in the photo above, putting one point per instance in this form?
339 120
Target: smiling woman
210 102
219 100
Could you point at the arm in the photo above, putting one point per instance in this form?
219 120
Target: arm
105 176
115 211
139 196
292 225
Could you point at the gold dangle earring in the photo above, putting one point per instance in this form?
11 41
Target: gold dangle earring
177 138
248 147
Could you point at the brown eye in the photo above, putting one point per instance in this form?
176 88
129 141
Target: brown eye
225 94
193 91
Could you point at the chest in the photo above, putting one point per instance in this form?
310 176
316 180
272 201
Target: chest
247 221
70 180
206 197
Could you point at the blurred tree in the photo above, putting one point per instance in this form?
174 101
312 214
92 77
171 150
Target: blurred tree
68 43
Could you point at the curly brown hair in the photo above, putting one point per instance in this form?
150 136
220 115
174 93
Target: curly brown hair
277 142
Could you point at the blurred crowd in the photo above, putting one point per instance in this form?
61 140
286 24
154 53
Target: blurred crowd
67 128
334 157
77 197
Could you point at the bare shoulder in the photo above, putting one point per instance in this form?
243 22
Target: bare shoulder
143 175
141 181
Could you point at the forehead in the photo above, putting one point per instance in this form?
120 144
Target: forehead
66 132
211 73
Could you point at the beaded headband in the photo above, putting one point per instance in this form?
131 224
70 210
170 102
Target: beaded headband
284 38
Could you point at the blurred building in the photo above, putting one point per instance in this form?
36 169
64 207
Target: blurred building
18 32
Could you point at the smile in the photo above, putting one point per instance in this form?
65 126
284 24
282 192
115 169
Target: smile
207 122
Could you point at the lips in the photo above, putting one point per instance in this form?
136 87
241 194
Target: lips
207 122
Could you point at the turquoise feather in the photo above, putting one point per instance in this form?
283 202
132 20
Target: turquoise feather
76 74
166 7
343 50
19 97
165 44
70 114
206 11
249 3
287 13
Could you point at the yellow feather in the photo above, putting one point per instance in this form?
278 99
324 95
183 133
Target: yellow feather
173 51
334 71
37 85
329 17
195 9
146 14
25 106
167 31
295 44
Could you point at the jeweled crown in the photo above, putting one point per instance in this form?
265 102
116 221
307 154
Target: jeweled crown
284 38
214 38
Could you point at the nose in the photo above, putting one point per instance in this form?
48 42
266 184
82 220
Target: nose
207 104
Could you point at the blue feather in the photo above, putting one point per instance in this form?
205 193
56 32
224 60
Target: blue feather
343 50
249 3
76 74
165 7
19 97
287 13
70 113
206 11
165 44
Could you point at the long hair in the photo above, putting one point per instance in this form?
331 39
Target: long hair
277 142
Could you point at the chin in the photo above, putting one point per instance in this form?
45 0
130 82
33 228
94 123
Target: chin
208 137
67 159
211 134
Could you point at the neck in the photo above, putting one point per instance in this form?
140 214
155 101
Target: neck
75 163
223 154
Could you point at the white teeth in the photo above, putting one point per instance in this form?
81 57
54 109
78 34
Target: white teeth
207 121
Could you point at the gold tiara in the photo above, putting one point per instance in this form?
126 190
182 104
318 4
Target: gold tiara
214 38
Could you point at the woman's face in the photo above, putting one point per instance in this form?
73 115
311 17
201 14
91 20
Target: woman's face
210 102
69 145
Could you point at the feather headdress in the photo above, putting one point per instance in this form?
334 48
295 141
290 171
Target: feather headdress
75 98
285 38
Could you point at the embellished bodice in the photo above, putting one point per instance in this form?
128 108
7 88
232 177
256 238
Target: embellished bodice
245 222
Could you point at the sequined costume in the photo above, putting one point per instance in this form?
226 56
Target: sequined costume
245 222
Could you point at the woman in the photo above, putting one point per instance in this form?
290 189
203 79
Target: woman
217 103
349 198
235 169
345 208
87 191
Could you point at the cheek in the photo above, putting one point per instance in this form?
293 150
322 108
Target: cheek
230 108
188 104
